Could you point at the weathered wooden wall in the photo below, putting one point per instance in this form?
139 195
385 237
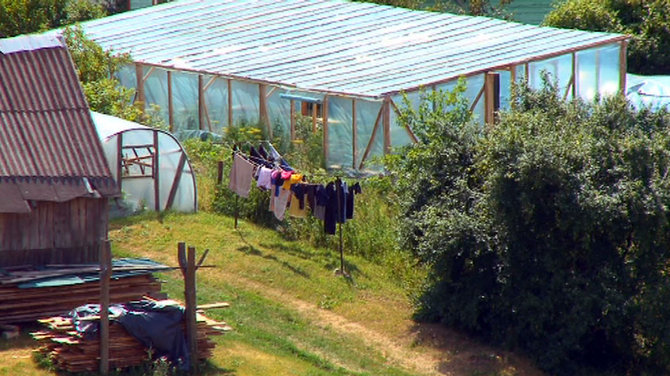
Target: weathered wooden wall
68 232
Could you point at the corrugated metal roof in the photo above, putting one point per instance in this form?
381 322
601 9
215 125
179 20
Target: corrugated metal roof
328 45
47 137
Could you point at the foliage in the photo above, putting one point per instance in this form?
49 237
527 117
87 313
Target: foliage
646 22
29 16
471 7
96 69
548 232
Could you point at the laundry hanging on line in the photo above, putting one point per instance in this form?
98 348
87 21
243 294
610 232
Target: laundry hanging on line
288 190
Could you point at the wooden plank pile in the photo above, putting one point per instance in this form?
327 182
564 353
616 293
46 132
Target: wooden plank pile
72 352
59 294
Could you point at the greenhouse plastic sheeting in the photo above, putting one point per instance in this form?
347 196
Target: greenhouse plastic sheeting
279 113
245 103
339 132
366 114
216 99
138 190
156 92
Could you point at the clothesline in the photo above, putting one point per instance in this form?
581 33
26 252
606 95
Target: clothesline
289 189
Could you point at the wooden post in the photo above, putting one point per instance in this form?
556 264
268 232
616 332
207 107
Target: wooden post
292 120
190 291
598 72
139 75
119 159
201 103
230 103
575 77
386 124
105 274
491 96
156 174
314 114
324 114
354 136
263 108
170 102
623 66
188 268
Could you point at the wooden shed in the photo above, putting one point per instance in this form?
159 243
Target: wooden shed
54 180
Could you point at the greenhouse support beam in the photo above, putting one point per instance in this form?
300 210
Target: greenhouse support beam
386 122
139 75
372 138
157 204
119 158
292 119
263 108
170 102
597 90
324 114
230 102
201 103
407 128
354 137
492 96
623 65
477 98
176 181
512 75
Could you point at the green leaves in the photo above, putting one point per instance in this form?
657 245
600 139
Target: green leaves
548 231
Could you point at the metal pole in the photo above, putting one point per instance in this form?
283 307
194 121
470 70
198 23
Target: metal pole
338 193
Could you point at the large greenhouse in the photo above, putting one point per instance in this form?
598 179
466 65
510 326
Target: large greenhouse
210 64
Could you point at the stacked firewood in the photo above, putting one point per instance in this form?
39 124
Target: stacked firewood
72 351
28 294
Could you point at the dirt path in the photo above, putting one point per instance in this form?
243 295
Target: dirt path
425 349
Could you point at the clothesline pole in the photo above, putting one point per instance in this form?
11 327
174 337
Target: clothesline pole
237 209
341 251
339 194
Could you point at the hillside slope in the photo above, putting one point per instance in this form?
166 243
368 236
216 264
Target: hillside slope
290 313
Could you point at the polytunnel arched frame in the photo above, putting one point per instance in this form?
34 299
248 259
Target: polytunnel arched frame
149 165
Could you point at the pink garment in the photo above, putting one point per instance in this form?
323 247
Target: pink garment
241 174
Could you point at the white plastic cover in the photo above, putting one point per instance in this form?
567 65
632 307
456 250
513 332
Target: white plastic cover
139 192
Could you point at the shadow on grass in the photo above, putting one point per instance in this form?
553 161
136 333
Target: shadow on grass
253 251
330 264
23 341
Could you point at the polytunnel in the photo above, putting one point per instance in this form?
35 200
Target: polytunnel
149 164
212 64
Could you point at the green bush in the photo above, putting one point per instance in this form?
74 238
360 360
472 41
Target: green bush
30 16
647 23
548 232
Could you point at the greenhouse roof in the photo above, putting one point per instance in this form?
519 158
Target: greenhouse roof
329 45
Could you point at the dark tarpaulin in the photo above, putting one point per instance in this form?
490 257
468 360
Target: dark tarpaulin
158 325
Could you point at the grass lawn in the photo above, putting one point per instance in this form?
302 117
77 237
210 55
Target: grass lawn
290 313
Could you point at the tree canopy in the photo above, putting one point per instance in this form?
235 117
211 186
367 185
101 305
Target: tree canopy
547 232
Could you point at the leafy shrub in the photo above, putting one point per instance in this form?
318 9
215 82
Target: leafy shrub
96 69
548 232
647 22
29 16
